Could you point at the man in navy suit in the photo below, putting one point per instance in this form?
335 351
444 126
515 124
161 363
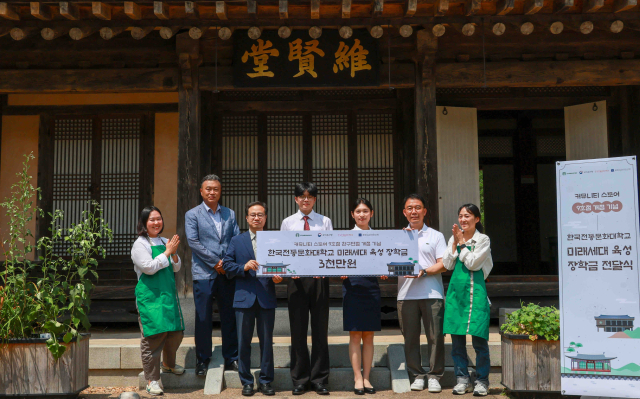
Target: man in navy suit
254 299
209 228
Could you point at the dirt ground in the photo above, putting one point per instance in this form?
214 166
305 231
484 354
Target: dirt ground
236 393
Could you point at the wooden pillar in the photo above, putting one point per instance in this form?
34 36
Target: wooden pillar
426 172
190 137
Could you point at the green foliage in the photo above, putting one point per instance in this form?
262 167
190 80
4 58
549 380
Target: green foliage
535 321
51 295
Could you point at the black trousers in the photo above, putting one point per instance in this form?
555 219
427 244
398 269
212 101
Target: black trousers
223 290
308 295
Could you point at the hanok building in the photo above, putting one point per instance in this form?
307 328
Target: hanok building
591 363
131 102
614 323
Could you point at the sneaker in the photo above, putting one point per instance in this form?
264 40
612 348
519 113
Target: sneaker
481 389
434 385
154 389
418 384
462 387
177 370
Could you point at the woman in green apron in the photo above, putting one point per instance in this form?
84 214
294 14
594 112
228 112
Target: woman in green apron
160 317
467 305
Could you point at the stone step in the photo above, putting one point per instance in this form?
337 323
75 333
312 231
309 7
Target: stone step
340 379
127 357
188 380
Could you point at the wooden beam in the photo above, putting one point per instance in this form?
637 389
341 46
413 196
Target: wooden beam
504 7
533 6
315 9
284 32
108 33
252 7
254 32
225 33
441 8
221 10
406 30
191 9
22 33
556 28
438 30
592 5
78 33
140 32
562 6
346 8
610 26
315 32
196 32
101 10
378 8
283 9
624 5
167 32
498 29
69 10
471 7
613 72
132 10
410 8
53 33
8 11
40 11
161 10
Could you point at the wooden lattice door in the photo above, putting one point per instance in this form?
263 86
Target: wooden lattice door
108 159
347 154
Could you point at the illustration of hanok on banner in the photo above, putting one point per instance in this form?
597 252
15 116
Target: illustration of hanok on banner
299 61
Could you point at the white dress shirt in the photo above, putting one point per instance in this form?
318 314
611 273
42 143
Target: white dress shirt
215 216
476 256
431 247
143 262
295 222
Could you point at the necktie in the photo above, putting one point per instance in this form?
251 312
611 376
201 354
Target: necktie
306 223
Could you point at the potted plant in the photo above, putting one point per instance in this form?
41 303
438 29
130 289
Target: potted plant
531 349
44 304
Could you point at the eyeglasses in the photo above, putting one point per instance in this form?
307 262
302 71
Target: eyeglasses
308 198
257 215
412 208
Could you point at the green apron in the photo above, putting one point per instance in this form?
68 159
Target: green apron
467 306
157 299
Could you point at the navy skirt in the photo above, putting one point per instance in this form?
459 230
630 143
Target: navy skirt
361 304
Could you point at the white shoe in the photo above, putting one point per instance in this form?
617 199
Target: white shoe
418 384
462 387
177 370
154 389
481 389
434 385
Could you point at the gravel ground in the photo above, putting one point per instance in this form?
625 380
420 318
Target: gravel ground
236 393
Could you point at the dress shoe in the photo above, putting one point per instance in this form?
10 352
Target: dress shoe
247 390
299 389
233 366
321 389
266 389
201 368
358 391
371 390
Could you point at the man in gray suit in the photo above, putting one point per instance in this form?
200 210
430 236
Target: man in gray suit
209 228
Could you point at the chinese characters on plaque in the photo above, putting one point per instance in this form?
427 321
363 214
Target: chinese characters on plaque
300 60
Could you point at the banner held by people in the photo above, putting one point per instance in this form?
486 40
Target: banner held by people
338 253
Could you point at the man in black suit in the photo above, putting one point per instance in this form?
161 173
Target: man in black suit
254 299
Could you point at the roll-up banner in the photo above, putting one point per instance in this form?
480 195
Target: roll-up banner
599 279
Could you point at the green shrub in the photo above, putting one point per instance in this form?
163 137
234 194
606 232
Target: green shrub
52 295
535 321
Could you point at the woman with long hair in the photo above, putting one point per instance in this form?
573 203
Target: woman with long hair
467 307
155 261
361 310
